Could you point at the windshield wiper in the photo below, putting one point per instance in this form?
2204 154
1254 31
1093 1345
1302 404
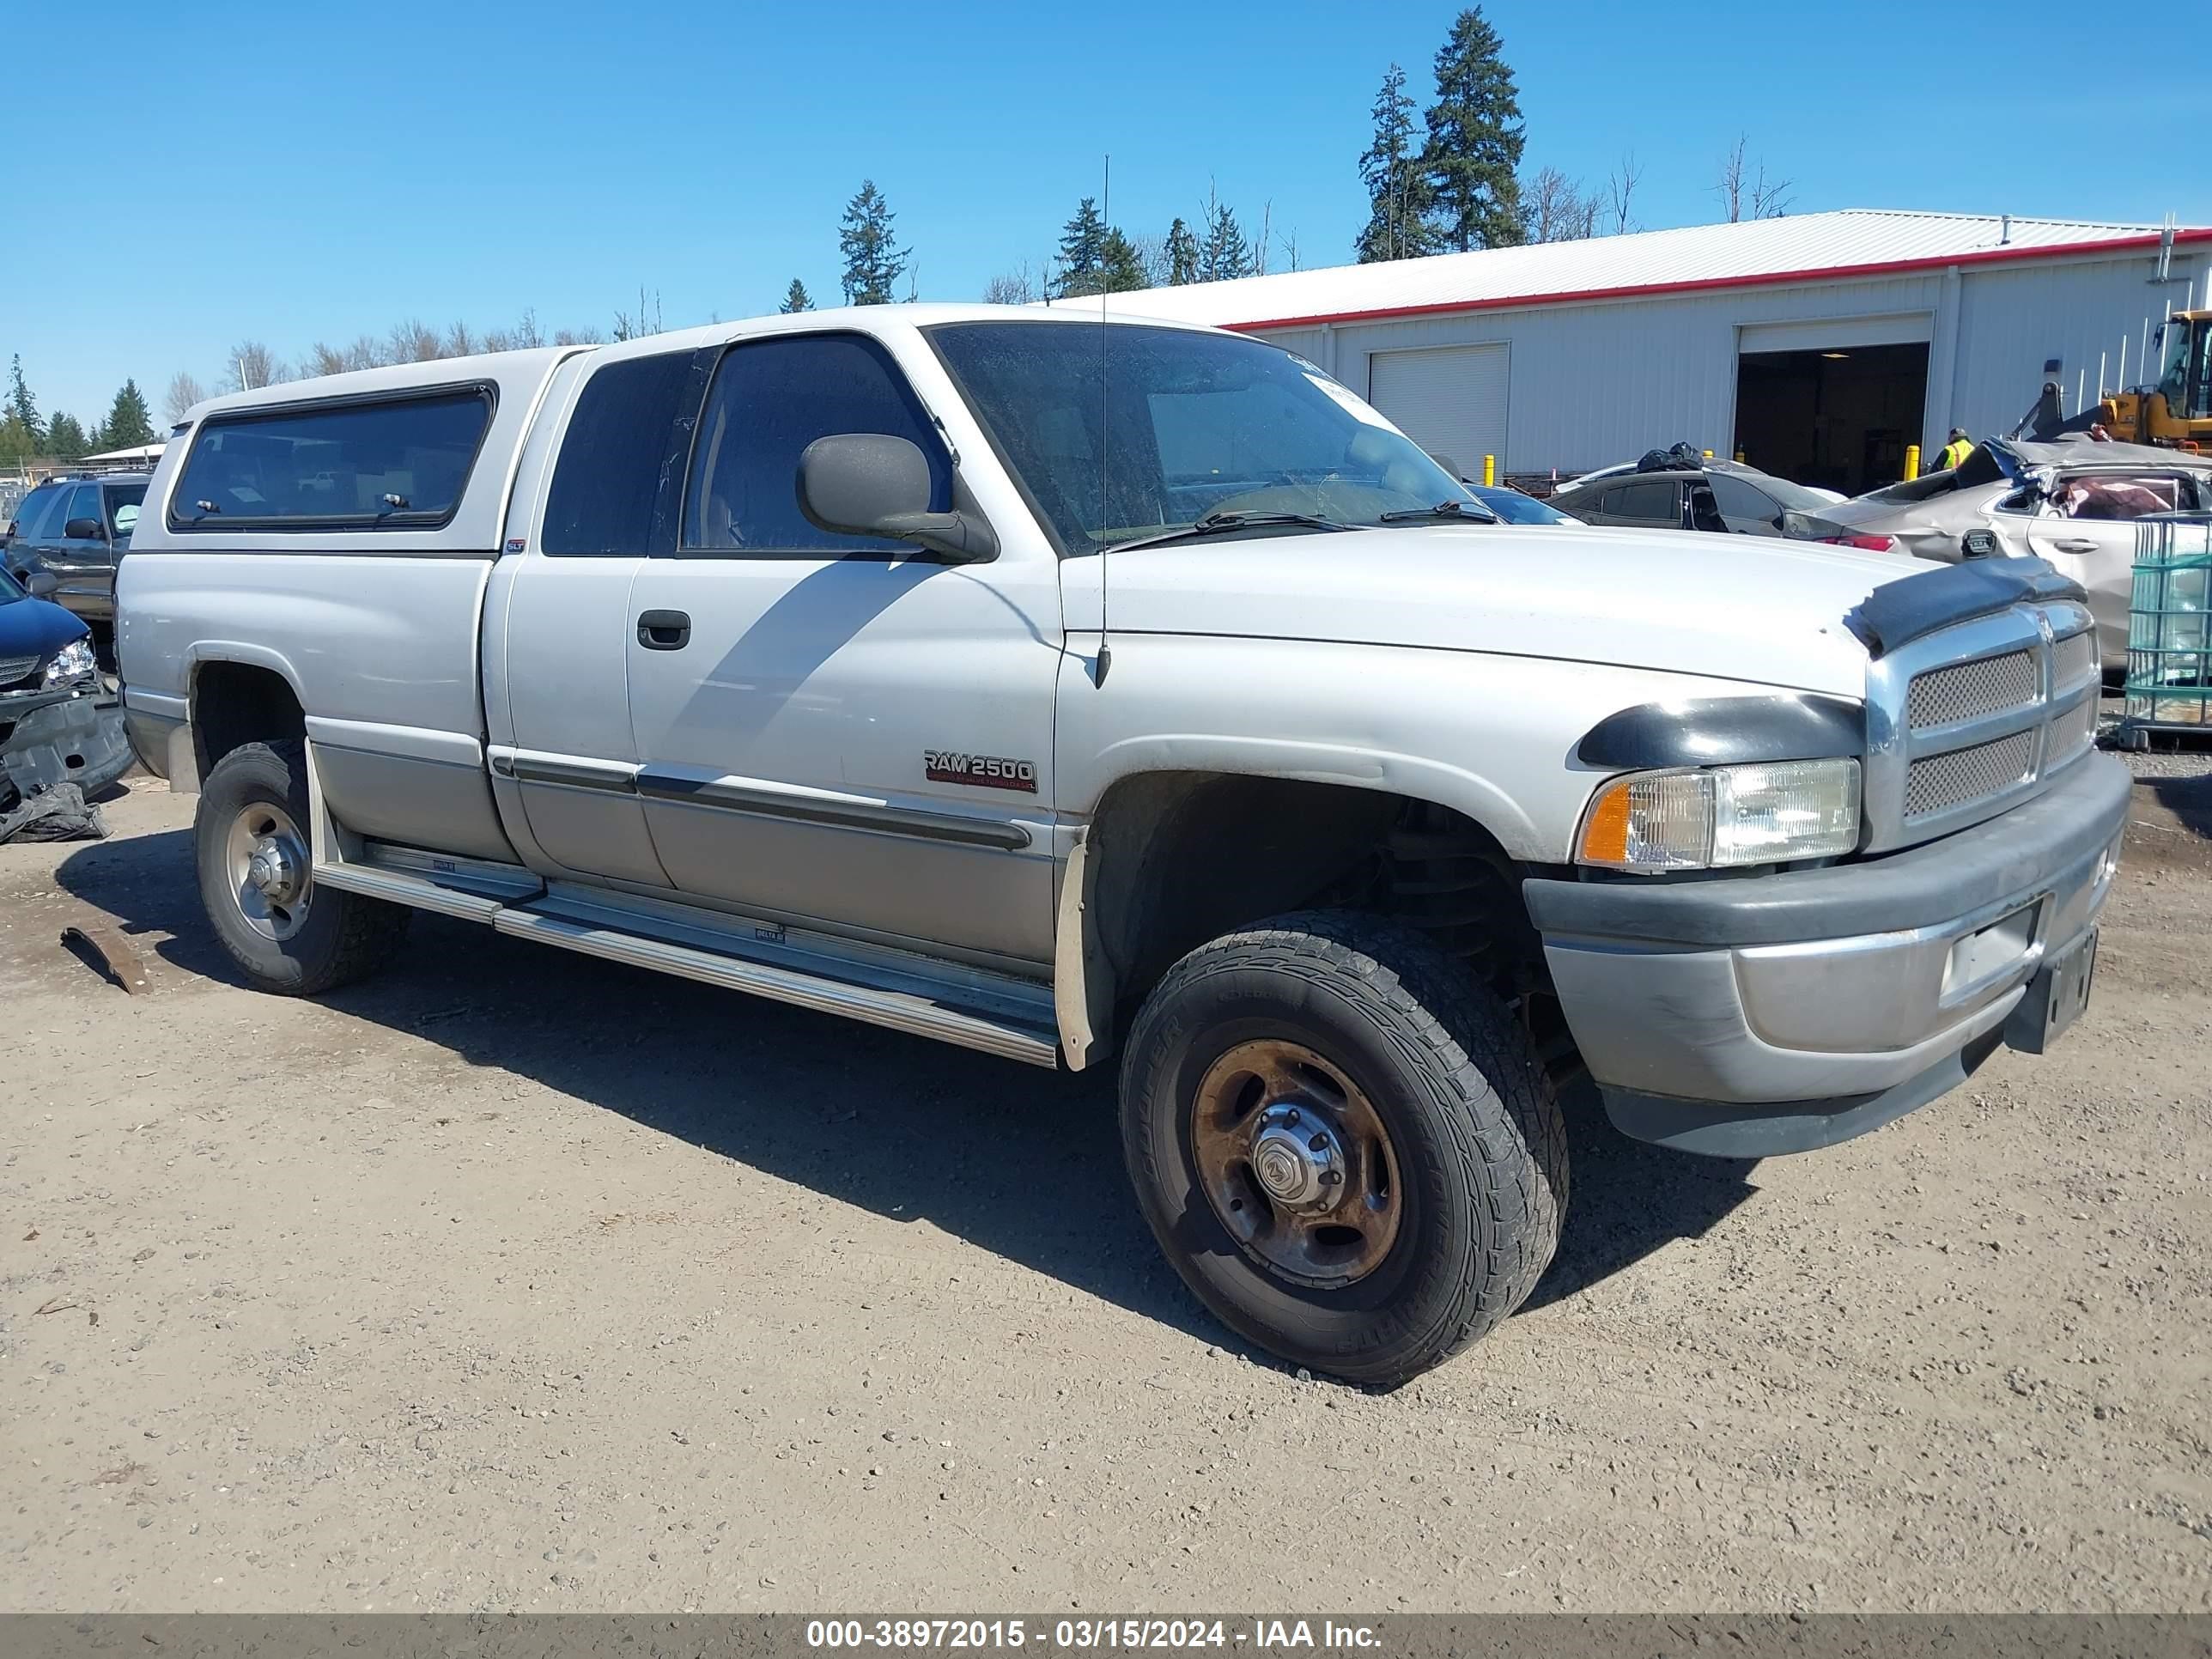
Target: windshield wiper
1215 524
1444 509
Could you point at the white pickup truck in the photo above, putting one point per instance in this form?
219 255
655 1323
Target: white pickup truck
1060 685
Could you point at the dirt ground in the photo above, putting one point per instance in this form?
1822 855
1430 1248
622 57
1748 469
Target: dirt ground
514 1279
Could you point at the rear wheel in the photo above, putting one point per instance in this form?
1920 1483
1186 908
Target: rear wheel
250 841
1346 1149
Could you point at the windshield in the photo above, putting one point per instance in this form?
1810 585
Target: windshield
1193 424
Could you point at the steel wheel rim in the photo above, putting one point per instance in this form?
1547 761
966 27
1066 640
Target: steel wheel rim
1296 1163
265 858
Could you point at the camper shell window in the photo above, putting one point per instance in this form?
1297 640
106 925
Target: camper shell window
393 463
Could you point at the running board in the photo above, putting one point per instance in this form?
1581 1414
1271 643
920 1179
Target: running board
901 1010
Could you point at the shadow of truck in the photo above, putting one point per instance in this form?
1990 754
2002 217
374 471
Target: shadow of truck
1011 1159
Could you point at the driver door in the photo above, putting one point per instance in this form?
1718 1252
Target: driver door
830 728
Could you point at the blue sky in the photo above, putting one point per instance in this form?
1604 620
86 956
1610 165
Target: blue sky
296 173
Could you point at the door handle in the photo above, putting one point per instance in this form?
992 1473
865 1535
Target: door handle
663 630
2075 544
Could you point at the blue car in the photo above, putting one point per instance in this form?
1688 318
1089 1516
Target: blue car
1511 506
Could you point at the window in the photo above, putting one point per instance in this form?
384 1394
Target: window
123 502
31 512
84 503
1657 500
1122 431
396 464
769 400
1742 507
615 456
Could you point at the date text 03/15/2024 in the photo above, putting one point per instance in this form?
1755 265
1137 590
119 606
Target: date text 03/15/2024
1259 1635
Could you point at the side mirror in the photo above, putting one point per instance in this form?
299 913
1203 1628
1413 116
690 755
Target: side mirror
1979 544
85 530
870 483
41 584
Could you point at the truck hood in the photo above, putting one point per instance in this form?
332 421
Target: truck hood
1735 607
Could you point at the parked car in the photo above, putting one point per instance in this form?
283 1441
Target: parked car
1066 688
1511 506
1680 495
59 722
2073 502
75 529
1713 462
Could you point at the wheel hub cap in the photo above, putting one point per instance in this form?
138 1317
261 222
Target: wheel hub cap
272 868
1296 1163
1299 1161
268 870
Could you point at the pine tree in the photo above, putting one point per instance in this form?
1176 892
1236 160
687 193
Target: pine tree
21 407
1397 191
129 423
796 299
1120 267
1182 254
1225 255
16 444
1471 161
1082 251
873 262
65 439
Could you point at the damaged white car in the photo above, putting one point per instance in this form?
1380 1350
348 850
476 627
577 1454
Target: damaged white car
2074 503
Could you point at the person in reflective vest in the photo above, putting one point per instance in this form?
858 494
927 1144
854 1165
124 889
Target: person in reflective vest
1957 450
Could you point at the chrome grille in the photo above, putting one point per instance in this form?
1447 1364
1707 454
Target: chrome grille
1940 782
1971 691
2073 659
15 668
2072 731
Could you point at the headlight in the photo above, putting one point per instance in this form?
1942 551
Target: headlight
1720 815
73 662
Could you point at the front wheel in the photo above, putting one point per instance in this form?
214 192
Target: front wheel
257 881
1345 1146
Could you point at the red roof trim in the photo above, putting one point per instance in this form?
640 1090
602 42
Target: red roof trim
1819 273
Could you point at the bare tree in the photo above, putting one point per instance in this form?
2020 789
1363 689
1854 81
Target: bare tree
576 337
1620 191
460 342
1769 201
1728 186
526 332
647 320
1017 287
322 359
1555 209
184 391
252 365
1744 188
411 341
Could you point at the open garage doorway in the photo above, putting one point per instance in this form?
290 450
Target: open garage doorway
1838 417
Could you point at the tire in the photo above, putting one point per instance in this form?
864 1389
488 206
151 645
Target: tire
1475 1147
318 940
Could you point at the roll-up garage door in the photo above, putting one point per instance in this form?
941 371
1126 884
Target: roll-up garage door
1448 399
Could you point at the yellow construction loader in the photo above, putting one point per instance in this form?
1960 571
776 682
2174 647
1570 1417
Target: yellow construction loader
2175 412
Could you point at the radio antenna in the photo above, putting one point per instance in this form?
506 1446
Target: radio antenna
1105 649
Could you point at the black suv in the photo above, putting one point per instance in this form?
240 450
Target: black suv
75 528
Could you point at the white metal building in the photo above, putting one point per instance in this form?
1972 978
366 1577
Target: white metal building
1818 346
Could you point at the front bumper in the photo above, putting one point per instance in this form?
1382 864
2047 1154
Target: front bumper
1749 1016
72 736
